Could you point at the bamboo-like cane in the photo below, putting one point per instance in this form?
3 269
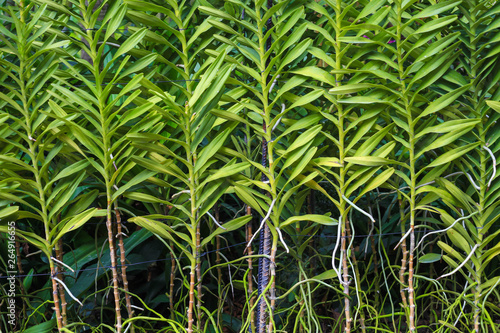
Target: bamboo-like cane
123 262
265 235
191 299
249 234
356 272
172 282
60 276
345 276
403 259
55 295
217 262
114 271
198 275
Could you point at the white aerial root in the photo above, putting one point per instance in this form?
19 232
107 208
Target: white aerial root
494 165
370 233
274 83
422 185
402 239
463 263
229 270
472 181
262 223
282 240
179 193
33 253
126 329
282 110
443 230
116 168
69 292
136 307
339 235
63 264
111 155
463 305
358 209
215 221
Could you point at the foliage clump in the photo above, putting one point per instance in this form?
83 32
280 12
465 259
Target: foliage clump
216 166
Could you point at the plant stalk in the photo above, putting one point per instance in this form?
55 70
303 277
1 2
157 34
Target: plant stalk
60 276
123 263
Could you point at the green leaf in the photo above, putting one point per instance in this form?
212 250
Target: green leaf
7 211
444 101
452 155
320 219
302 164
295 52
436 24
228 226
139 178
448 126
115 21
130 43
437 9
74 223
376 182
316 73
228 171
68 171
458 240
302 124
369 160
45 327
247 198
350 88
429 258
307 98
327 275
304 138
494 105
164 231
211 149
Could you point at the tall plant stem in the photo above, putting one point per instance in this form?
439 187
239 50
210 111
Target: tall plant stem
342 170
191 154
55 295
195 227
404 257
60 276
109 191
358 282
123 263
482 207
112 253
23 79
249 234
219 268
105 162
345 277
172 282
191 298
483 183
412 168
263 278
20 270
18 259
195 234
265 235
199 282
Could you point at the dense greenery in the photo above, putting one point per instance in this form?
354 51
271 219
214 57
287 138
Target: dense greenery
147 147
